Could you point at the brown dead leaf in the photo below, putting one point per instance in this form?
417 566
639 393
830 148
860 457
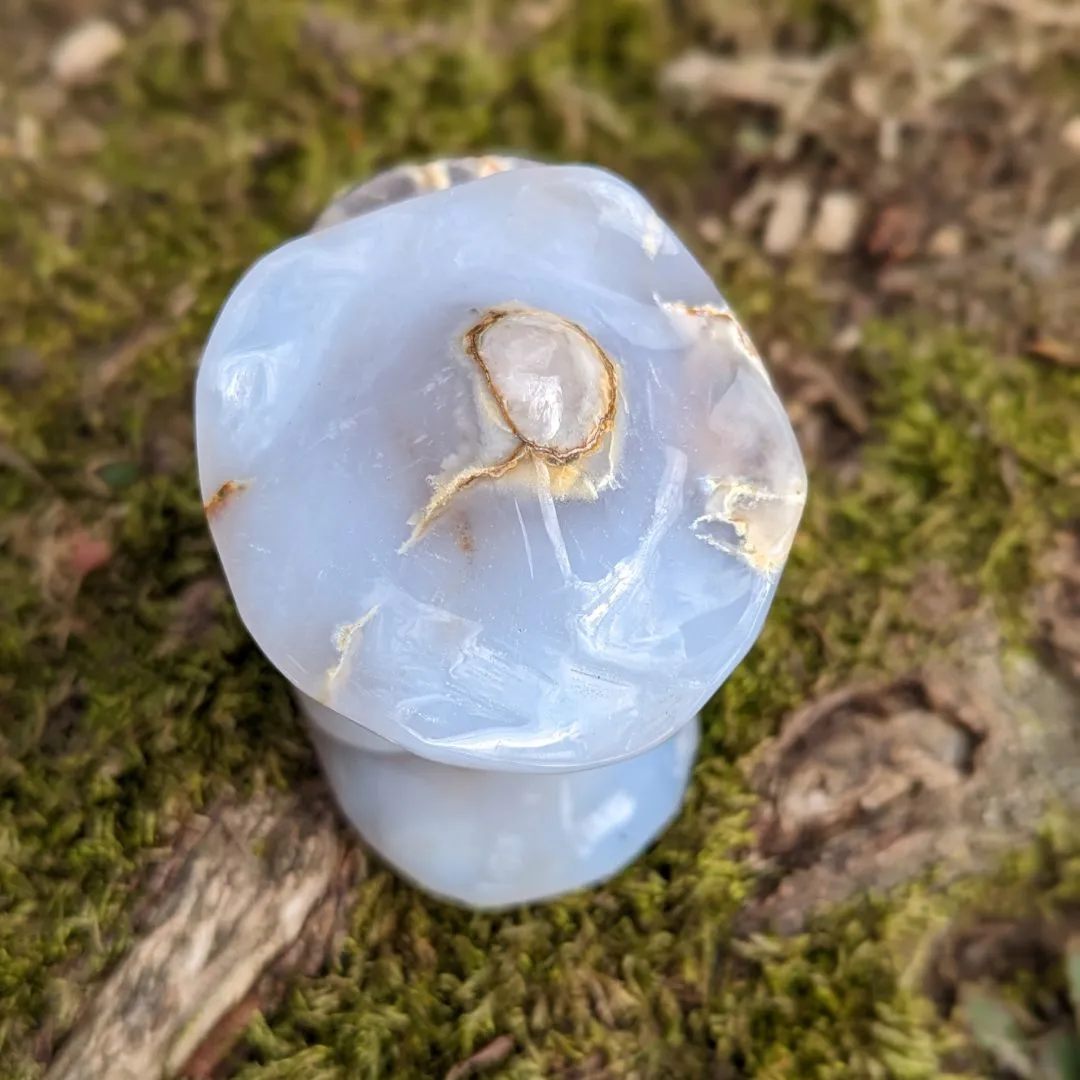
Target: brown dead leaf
989 950
86 553
873 783
850 755
897 233
63 551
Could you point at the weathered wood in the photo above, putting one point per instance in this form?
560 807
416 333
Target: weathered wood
261 877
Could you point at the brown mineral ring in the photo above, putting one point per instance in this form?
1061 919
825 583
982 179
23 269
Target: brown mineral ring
553 457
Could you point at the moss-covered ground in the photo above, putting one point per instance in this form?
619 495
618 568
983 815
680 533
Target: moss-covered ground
130 693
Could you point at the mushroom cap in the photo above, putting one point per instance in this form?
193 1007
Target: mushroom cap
494 473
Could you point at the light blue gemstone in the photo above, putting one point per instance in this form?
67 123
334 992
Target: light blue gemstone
544 616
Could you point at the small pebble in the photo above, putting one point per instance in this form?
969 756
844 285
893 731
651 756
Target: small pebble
1070 135
837 222
788 217
746 212
711 229
28 137
848 339
60 221
948 242
81 53
93 189
890 139
1059 234
779 352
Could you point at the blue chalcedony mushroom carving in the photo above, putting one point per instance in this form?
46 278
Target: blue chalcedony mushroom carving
504 490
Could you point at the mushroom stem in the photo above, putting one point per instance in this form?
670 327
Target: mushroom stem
489 839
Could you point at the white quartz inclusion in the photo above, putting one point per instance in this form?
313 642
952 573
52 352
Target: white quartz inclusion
495 476
556 384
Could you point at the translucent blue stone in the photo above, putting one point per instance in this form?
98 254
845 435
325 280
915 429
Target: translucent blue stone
498 483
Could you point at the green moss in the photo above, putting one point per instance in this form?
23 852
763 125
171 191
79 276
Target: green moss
118 716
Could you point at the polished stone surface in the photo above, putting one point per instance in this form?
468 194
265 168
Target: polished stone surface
497 480
492 839
531 626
